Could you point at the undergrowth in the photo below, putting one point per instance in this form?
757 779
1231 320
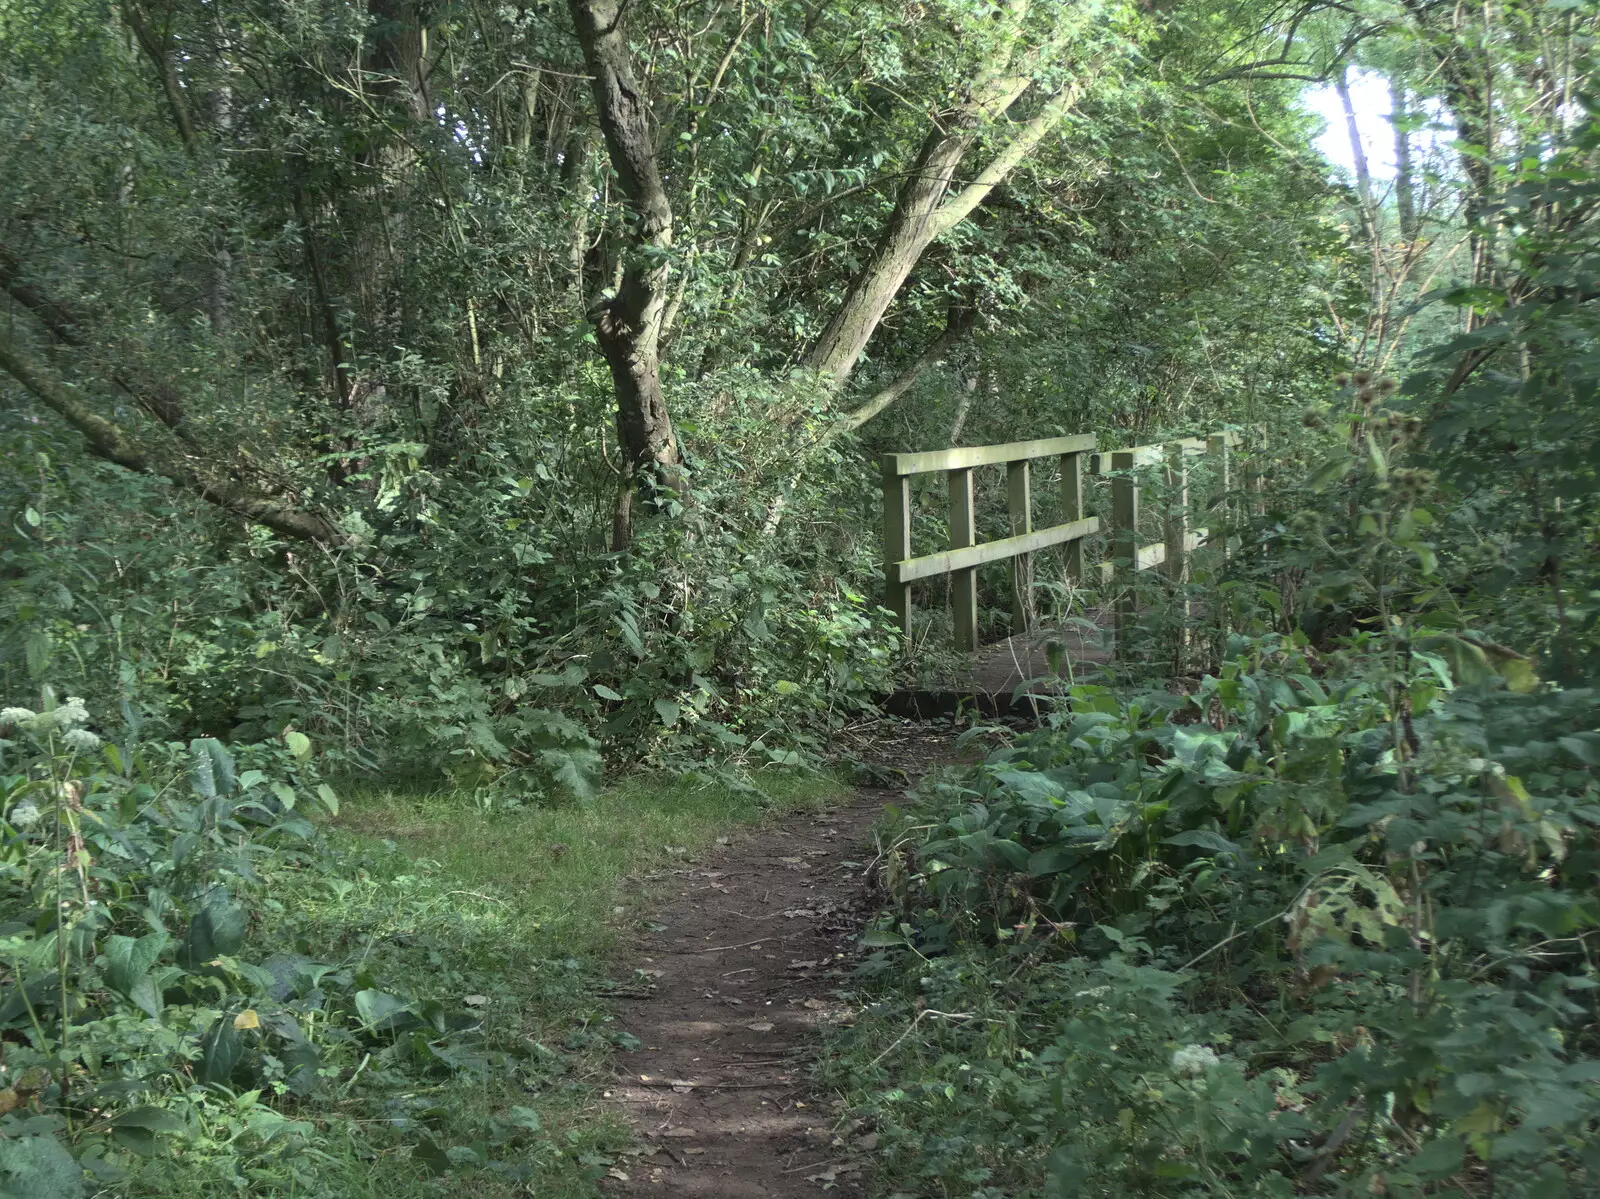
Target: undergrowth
220 979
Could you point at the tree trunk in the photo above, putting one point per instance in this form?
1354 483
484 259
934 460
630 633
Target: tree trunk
924 211
1405 189
628 327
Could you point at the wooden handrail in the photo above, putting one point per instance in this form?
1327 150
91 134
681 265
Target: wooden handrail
966 457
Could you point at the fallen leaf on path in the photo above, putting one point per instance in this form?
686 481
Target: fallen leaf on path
678 1132
815 1005
475 1000
682 1086
619 1175
760 1026
868 1142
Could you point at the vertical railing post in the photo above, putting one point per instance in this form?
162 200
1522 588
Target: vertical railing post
1217 451
1176 525
963 583
1072 509
896 542
1019 502
1124 542
1176 535
1254 481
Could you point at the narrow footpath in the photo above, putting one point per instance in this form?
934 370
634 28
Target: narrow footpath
747 946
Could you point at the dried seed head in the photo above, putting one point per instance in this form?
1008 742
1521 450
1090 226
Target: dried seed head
1388 386
1341 380
1363 378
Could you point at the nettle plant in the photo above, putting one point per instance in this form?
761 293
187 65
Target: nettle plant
137 998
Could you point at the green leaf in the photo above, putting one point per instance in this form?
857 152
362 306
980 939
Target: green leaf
31 515
127 962
217 931
299 744
285 794
524 1117
605 692
220 1051
879 938
382 1012
329 800
668 711
38 1168
36 653
1330 472
212 767
156 1119
1583 746
1205 839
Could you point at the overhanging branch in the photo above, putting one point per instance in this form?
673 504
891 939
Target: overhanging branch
109 440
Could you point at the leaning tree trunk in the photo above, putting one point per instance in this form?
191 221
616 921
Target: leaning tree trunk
628 326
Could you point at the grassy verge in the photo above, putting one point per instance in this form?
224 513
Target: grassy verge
516 913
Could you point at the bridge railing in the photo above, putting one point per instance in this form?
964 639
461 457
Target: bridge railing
1078 456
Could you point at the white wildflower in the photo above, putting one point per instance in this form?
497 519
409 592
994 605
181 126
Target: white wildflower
70 713
81 740
11 716
24 815
1193 1059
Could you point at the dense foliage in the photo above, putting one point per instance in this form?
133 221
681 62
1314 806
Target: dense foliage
487 395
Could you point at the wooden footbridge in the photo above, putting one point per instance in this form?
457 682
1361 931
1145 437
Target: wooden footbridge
1102 518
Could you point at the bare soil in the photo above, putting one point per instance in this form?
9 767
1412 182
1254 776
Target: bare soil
746 949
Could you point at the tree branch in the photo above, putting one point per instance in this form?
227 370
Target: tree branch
957 325
959 206
110 441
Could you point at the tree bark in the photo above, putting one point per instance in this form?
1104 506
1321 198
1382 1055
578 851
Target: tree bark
628 326
1405 188
924 210
957 324
171 87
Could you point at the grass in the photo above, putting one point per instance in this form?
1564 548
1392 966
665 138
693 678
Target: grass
510 917
527 907
563 868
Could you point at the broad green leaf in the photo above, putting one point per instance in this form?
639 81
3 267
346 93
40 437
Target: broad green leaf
156 1119
879 938
329 799
220 1051
524 1117
298 743
38 1167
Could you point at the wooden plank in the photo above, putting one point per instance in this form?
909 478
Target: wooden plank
1019 505
1155 452
931 565
964 582
1138 455
896 547
966 457
1150 555
1147 556
1072 510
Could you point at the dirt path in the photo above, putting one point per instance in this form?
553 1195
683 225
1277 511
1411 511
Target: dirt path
751 941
